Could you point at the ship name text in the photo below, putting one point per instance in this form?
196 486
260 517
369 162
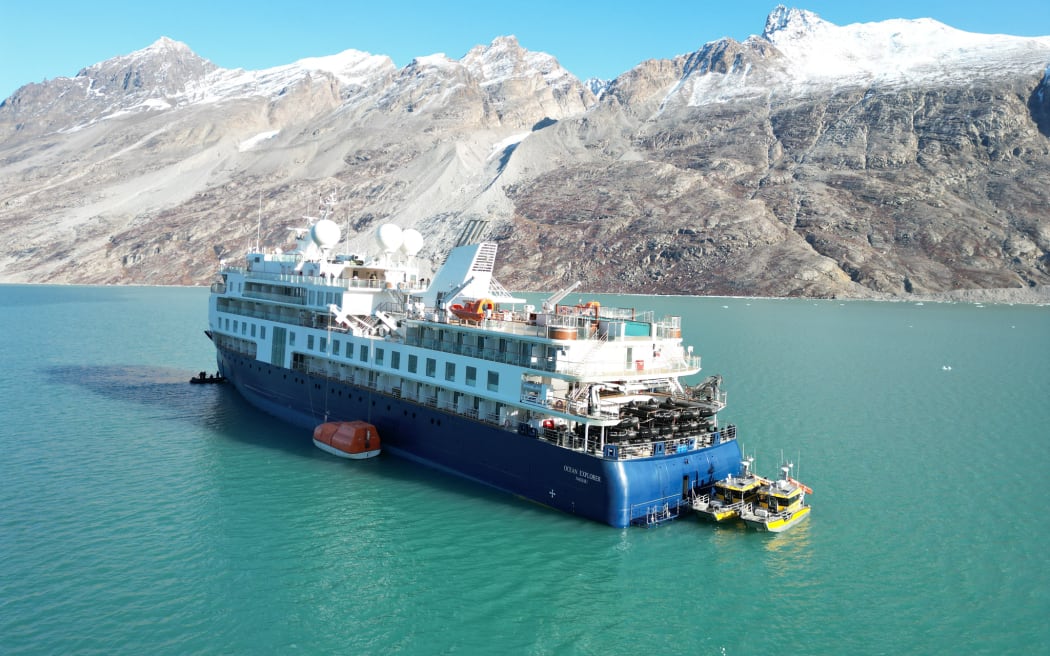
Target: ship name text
582 476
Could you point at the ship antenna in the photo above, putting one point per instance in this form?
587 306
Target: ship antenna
346 235
258 226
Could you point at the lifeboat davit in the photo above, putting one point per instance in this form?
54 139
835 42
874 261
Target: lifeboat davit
473 310
348 439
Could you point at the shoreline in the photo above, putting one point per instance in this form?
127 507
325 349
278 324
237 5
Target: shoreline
1037 296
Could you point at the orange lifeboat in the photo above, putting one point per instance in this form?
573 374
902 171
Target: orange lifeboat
473 310
348 439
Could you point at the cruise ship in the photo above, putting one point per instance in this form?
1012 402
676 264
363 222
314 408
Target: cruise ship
576 406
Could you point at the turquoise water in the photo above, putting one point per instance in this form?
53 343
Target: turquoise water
141 514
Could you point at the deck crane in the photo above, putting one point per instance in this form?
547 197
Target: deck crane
553 299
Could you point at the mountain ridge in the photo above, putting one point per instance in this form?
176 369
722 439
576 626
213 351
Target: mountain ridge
740 168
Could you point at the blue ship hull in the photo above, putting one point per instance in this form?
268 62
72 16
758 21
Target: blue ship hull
616 492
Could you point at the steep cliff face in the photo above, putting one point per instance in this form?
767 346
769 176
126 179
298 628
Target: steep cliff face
896 158
758 171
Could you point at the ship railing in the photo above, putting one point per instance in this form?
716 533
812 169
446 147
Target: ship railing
668 445
292 276
717 402
589 359
506 321
764 513
702 499
278 314
587 311
278 298
668 328
656 511
578 407
588 364
563 438
669 366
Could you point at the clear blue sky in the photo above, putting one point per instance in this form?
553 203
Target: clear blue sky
44 39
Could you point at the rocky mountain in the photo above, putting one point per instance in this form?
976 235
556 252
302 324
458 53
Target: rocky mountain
899 159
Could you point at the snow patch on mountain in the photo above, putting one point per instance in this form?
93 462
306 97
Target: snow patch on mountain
252 142
504 59
892 51
438 60
351 67
714 88
499 148
809 54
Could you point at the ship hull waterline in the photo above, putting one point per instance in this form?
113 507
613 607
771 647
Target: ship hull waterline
615 492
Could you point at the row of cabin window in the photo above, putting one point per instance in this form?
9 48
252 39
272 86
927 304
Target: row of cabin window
471 378
243 326
321 298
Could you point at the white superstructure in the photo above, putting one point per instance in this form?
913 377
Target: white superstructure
459 342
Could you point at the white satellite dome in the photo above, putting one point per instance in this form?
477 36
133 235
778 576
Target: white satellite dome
411 242
325 233
389 237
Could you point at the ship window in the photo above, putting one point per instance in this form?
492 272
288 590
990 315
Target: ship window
450 371
472 376
379 356
310 342
363 353
253 330
395 359
310 298
324 345
412 335
431 367
493 381
291 338
236 324
262 332
244 327
413 364
335 347
227 323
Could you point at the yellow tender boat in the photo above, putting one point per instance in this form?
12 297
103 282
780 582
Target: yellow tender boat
729 496
779 505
